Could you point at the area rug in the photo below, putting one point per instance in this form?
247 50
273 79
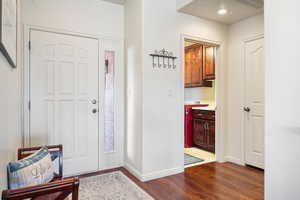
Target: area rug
111 186
188 159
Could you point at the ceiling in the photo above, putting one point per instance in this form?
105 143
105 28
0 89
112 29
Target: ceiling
116 1
237 9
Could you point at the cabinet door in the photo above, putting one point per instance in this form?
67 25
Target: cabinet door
210 136
188 68
194 67
199 133
197 62
209 54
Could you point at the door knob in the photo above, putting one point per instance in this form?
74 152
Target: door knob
94 111
247 109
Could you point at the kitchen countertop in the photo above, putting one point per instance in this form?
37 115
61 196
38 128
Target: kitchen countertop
195 102
196 105
213 108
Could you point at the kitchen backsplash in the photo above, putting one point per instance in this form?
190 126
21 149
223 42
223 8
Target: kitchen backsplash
204 94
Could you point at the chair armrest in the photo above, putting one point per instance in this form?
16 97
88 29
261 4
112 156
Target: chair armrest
69 185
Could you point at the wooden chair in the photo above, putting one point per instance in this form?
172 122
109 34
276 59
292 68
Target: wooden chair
58 189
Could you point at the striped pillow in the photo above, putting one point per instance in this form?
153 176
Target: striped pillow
33 170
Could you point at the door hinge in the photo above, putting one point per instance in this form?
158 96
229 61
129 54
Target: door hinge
29 105
29 45
106 66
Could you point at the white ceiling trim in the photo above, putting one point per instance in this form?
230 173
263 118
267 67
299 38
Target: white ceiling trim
121 2
182 3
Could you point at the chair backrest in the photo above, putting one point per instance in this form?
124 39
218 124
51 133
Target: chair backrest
55 151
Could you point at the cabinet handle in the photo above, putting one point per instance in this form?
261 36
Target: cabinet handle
205 128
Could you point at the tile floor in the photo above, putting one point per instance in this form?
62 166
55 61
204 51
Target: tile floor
206 156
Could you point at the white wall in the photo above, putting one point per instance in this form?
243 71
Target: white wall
235 95
10 116
93 17
282 100
10 123
204 94
163 90
134 67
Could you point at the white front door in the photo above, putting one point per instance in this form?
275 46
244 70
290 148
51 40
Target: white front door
255 102
64 95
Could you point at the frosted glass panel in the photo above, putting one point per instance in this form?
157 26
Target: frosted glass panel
109 143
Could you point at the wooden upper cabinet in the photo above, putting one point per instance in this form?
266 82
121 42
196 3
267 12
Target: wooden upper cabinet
209 55
188 69
197 66
194 67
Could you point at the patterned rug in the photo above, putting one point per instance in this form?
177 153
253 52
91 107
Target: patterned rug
188 159
111 186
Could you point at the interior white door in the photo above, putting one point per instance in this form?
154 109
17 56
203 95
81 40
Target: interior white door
64 94
255 102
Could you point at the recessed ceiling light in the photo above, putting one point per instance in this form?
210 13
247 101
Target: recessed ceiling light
222 11
222 8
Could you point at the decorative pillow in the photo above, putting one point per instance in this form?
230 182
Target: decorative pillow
33 170
55 161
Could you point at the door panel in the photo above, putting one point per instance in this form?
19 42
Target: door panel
209 63
199 133
255 100
211 136
197 66
188 69
63 82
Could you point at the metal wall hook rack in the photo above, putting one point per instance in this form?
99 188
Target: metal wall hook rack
163 59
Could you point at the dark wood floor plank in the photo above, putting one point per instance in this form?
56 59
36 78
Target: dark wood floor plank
212 181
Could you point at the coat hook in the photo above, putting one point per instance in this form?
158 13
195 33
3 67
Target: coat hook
174 66
164 54
159 65
153 62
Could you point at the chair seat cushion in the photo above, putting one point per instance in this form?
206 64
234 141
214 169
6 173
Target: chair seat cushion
33 170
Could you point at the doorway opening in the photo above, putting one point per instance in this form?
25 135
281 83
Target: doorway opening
200 78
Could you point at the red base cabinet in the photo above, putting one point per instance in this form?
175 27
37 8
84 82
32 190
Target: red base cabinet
188 124
204 130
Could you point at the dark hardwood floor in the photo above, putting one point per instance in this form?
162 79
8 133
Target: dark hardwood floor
212 181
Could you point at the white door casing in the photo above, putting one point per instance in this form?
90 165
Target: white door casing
254 102
64 95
